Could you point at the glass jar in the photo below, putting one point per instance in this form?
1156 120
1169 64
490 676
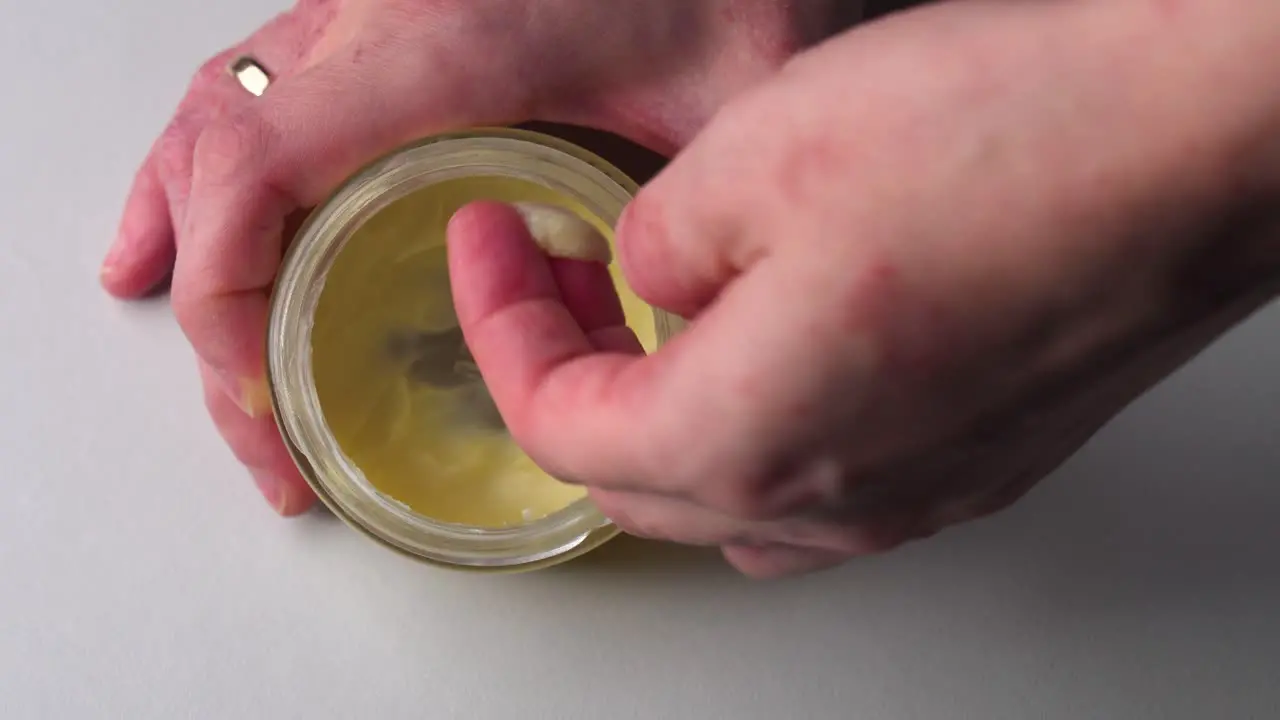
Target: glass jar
533 157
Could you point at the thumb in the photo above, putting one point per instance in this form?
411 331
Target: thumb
681 241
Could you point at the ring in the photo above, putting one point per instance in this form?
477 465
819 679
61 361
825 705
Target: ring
250 74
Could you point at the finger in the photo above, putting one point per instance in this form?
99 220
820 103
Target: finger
776 561
610 417
145 247
256 443
491 241
285 151
142 254
586 288
679 242
519 326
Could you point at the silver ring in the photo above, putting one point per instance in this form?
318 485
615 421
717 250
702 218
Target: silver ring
250 73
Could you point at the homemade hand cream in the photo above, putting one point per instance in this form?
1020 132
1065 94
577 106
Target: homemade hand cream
396 385
376 395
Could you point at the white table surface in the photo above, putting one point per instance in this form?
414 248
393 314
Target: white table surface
141 576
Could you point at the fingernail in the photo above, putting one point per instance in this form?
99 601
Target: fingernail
255 397
251 395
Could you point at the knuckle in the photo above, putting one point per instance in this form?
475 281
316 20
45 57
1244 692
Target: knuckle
757 490
745 495
888 325
670 463
187 307
173 149
211 71
229 147
719 474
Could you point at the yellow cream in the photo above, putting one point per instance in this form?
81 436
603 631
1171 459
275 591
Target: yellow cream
397 387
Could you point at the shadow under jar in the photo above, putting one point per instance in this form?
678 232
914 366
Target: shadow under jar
374 390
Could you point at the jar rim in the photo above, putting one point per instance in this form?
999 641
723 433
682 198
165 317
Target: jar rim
504 152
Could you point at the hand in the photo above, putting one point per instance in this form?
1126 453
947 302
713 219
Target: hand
354 79
914 290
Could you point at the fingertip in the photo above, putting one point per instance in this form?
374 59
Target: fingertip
471 221
256 443
143 253
559 387
493 261
508 305
129 275
496 262
661 265
286 492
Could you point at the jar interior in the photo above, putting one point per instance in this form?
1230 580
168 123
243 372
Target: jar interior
375 393
396 383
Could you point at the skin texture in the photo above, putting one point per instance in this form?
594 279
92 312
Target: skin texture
924 261
354 79
915 289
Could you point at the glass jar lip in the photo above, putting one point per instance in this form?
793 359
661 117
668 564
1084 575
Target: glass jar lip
531 156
